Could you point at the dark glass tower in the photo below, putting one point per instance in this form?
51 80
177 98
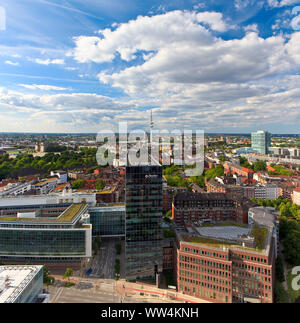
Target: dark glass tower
143 222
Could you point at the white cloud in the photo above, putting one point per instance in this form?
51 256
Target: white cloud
252 27
192 75
49 61
12 63
282 3
148 33
43 87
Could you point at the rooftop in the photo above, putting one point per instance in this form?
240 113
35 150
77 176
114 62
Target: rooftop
14 279
201 196
68 216
46 181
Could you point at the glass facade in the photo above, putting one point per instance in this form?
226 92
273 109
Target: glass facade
143 222
32 290
261 142
42 242
108 221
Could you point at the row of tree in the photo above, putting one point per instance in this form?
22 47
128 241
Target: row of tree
12 167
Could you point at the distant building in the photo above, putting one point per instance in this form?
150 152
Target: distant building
268 191
233 169
296 196
21 284
195 207
62 176
15 189
261 142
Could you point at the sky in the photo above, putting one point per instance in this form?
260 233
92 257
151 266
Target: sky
87 65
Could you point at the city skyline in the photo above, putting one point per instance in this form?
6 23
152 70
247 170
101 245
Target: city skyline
88 65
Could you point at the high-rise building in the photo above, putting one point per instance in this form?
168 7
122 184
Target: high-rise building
261 142
143 222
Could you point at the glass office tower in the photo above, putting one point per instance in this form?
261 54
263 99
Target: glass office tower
261 142
143 222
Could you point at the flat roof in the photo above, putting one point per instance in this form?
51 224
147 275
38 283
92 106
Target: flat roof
18 277
116 208
46 181
223 232
68 216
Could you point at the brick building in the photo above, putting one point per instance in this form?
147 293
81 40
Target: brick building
196 207
238 170
225 273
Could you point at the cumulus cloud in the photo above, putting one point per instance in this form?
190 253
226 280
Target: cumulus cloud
253 27
282 3
191 73
148 34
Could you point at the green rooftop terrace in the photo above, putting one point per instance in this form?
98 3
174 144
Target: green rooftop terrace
68 216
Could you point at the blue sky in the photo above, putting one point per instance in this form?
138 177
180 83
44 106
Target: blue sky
86 65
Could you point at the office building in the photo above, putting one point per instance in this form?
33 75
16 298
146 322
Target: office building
226 265
108 221
261 142
143 222
54 234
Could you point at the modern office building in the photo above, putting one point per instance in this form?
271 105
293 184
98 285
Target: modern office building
108 221
21 284
261 142
52 234
143 222
226 264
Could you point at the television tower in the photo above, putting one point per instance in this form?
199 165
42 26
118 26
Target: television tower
151 127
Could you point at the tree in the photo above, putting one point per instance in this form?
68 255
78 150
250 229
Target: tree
68 273
259 166
292 247
100 185
45 274
215 172
79 183
169 214
280 269
280 294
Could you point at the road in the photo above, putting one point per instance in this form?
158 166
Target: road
103 265
101 292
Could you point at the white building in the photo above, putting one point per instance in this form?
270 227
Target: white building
15 189
296 196
269 191
21 284
46 186
62 176
65 197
